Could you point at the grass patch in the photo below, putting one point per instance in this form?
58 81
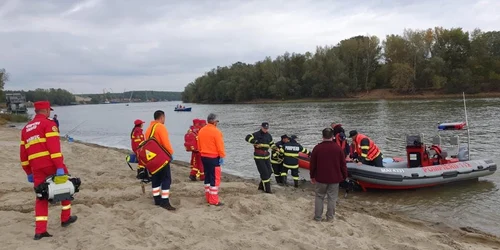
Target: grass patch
15 118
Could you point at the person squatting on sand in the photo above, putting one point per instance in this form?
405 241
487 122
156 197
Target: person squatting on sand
211 147
162 177
41 157
262 141
327 169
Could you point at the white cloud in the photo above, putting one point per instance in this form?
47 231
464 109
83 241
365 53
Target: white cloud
86 46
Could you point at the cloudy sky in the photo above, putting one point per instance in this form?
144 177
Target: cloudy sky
86 46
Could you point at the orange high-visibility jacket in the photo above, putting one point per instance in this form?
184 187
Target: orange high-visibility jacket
161 135
211 142
40 145
366 148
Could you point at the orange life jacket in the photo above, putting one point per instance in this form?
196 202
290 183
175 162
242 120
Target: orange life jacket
191 139
152 155
373 150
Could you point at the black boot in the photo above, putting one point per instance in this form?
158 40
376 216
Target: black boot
42 235
192 177
166 205
261 186
278 179
267 186
296 183
158 200
284 180
71 220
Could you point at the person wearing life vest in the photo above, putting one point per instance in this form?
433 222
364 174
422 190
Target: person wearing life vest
161 178
366 149
136 138
41 157
340 138
191 145
291 150
277 159
262 141
212 151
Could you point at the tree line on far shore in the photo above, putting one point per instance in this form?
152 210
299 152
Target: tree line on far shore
439 59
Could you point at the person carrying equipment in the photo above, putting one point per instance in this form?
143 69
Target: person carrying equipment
191 145
41 157
211 147
366 149
262 141
161 177
340 138
277 159
136 138
291 150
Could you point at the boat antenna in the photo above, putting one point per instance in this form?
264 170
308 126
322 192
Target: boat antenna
467 126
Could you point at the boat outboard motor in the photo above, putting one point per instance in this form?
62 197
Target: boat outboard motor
57 192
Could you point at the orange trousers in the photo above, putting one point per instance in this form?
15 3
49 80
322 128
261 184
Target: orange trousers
212 179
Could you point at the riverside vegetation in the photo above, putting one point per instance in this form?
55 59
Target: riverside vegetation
440 60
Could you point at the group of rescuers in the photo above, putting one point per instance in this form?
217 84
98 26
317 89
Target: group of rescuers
41 157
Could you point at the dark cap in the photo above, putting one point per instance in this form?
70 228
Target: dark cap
293 137
212 118
284 137
353 133
265 125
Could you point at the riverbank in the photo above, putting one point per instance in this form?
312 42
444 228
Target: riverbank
114 214
382 94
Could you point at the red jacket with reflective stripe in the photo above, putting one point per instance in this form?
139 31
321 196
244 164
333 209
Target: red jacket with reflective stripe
136 138
40 145
366 148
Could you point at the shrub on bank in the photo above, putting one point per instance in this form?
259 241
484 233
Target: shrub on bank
4 118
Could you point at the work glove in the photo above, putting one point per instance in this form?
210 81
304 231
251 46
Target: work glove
221 161
60 177
30 178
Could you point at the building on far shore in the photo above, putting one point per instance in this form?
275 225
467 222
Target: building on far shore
82 99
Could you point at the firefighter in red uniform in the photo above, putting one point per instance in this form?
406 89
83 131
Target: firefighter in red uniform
136 137
41 157
191 144
366 149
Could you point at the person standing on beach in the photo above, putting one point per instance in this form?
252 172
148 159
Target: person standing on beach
41 157
136 138
54 118
211 147
327 169
277 159
291 151
162 179
262 141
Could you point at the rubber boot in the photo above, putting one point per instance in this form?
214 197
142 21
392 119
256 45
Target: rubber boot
296 183
278 179
42 235
261 186
166 205
284 180
192 178
157 200
268 187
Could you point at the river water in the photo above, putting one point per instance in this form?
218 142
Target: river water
473 204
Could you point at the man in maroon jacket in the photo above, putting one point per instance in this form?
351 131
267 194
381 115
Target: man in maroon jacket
327 169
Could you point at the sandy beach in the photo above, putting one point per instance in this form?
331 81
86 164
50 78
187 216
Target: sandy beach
114 214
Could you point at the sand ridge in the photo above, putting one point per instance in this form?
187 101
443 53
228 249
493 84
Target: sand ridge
114 214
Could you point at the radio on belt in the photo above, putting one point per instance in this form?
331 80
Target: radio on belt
57 192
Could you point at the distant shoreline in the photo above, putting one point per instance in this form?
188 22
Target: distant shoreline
380 94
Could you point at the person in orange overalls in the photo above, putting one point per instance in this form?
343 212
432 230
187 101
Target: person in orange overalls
161 180
41 157
136 137
211 147
196 164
